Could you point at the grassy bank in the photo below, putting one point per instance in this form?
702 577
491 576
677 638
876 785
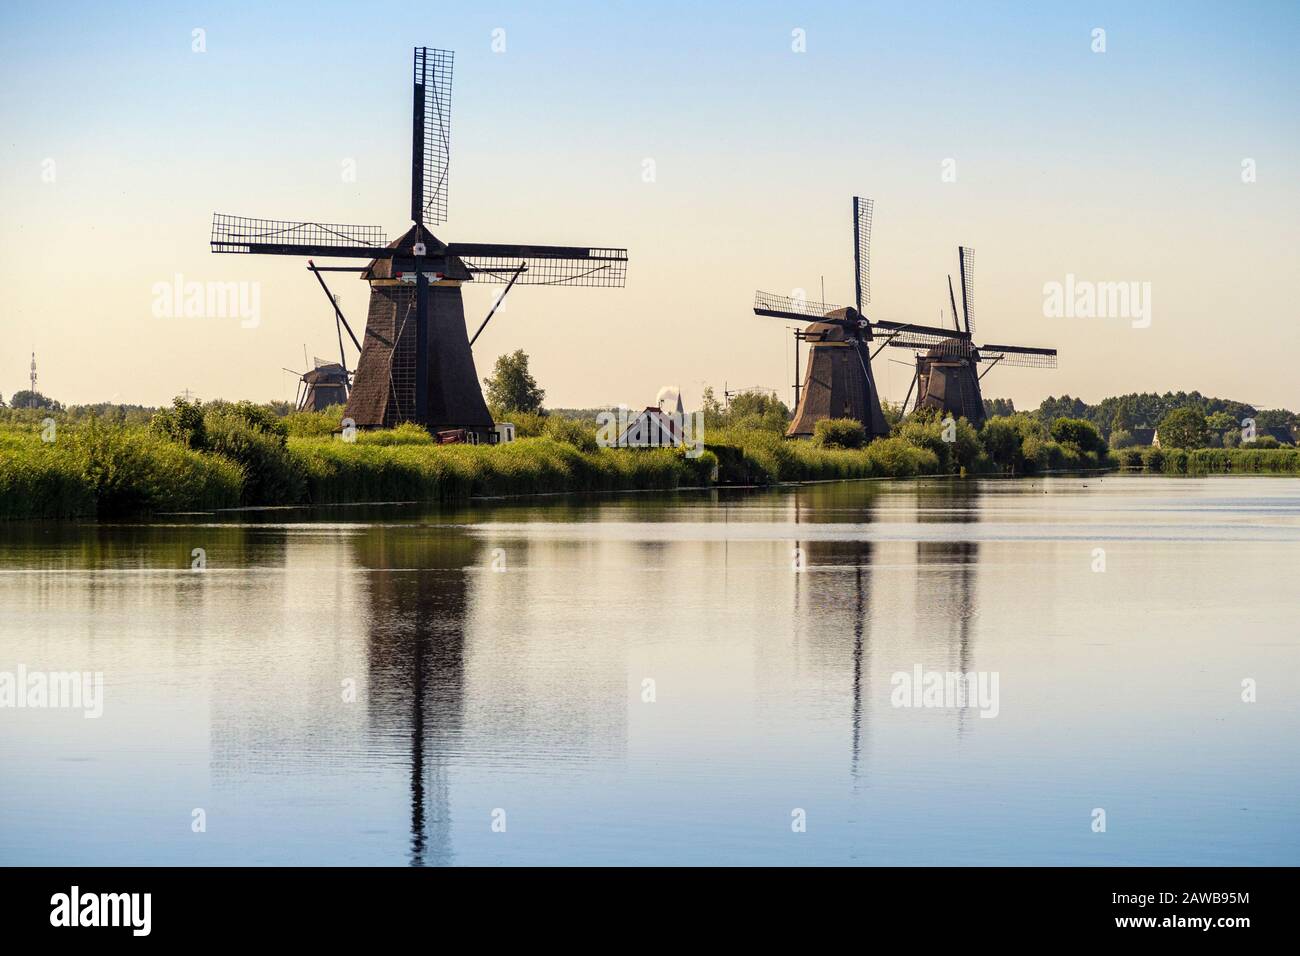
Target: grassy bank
221 455
1212 461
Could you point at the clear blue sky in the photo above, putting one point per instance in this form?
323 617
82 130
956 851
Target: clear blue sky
1122 166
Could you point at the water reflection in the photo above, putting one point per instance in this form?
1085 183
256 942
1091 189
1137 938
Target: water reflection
524 689
955 563
418 591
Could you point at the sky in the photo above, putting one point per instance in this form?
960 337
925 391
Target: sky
719 143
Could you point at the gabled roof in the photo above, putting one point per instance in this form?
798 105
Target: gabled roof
652 426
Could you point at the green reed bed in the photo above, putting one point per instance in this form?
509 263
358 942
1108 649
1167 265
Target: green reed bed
1213 461
109 471
377 468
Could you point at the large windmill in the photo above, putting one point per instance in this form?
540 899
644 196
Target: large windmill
415 362
946 378
838 382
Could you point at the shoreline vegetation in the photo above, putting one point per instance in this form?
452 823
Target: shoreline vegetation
195 457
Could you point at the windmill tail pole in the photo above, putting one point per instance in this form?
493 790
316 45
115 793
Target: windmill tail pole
497 303
338 313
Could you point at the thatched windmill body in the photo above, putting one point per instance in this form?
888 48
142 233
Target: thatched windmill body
838 382
416 364
947 376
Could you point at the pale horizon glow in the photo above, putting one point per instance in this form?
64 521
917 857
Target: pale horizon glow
1124 166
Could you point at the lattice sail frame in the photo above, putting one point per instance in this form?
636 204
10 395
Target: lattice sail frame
862 213
431 134
1018 355
783 306
967 255
238 233
955 349
538 265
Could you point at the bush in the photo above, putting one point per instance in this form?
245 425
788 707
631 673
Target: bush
1013 443
956 446
898 458
1262 441
839 433
271 475
571 432
308 424
1131 456
182 423
39 480
1080 433
132 472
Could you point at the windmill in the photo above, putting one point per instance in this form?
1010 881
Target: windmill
416 364
838 382
946 378
327 383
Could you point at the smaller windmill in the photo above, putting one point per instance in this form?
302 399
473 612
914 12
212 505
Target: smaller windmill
946 378
838 382
326 383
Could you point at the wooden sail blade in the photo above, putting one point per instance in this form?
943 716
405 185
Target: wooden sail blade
503 262
290 237
1023 355
800 310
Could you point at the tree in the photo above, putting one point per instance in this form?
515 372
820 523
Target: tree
758 410
511 387
998 407
714 417
26 398
1078 432
1183 428
1220 422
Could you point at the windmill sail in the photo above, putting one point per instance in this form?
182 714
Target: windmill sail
800 310
966 256
430 134
543 265
862 210
1023 355
288 237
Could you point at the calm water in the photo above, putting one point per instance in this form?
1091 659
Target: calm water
500 656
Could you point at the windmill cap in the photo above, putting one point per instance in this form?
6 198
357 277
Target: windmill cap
436 258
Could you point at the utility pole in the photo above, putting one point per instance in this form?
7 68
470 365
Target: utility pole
33 398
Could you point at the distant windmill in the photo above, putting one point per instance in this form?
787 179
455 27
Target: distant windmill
325 384
945 377
415 362
838 382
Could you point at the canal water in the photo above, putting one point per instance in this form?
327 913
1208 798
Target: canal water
740 677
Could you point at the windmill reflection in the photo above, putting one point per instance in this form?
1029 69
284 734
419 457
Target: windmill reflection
418 601
954 561
841 583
